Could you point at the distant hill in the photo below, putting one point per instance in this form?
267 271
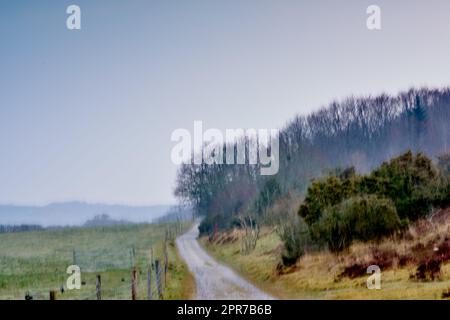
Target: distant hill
77 213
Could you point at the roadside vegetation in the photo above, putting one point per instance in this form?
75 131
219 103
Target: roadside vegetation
407 270
345 207
361 183
397 217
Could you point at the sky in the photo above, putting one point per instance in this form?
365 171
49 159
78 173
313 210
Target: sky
87 114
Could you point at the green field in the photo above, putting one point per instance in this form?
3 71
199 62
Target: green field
36 262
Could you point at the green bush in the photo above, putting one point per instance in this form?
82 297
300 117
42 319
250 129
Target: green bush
444 164
443 198
358 218
344 206
296 239
412 182
325 193
334 228
444 191
211 223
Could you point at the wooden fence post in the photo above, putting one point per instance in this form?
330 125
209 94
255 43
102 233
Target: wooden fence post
149 283
152 262
158 279
98 287
74 257
52 295
133 257
133 284
166 263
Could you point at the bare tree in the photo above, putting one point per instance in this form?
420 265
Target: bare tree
251 234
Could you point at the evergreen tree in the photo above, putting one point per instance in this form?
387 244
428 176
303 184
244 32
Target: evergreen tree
419 115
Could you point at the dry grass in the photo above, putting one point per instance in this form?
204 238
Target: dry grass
320 275
181 283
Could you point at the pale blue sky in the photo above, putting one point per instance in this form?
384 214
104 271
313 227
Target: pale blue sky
87 115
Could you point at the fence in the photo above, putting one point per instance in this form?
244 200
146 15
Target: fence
102 260
143 273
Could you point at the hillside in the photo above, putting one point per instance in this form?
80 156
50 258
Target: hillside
414 267
361 182
361 132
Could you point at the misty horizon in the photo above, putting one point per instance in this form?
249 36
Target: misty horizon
77 213
76 124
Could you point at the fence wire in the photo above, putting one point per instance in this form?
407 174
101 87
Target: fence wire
115 265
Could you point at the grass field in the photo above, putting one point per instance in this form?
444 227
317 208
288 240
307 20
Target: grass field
36 262
316 275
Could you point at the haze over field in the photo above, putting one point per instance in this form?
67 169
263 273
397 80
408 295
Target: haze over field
76 213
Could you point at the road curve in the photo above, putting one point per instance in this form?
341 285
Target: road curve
214 281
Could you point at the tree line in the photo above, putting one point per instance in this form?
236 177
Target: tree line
19 228
357 132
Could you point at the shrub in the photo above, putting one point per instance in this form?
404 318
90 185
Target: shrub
412 182
443 199
444 190
345 206
296 239
444 164
358 218
325 193
212 223
335 229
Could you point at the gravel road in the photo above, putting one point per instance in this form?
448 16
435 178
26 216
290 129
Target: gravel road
214 281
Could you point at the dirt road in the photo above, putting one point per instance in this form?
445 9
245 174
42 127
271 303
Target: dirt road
214 280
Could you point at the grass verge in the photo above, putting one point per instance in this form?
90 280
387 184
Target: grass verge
318 275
